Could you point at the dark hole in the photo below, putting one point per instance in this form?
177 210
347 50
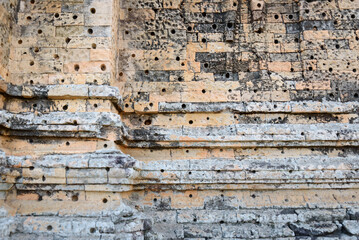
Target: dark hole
90 31
93 10
189 28
203 91
229 25
190 195
214 26
290 16
183 105
206 65
43 178
276 41
156 58
259 5
173 31
204 40
77 67
253 196
104 200
49 228
74 198
190 122
95 105
105 145
31 168
68 40
151 104
204 14
67 144
163 90
32 63
227 75
155 199
162 170
177 58
103 67
148 122
126 105
74 17
57 15
39 31
276 16
92 230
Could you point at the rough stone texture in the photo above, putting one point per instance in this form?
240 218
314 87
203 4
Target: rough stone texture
179 119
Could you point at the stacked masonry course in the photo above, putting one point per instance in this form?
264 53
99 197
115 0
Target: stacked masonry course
179 119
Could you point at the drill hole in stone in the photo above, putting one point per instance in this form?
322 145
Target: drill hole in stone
148 122
276 41
162 170
105 145
147 72
32 63
173 31
74 198
214 26
203 91
92 230
90 31
183 106
163 90
56 56
259 5
43 178
57 15
74 17
31 168
94 46
227 75
93 10
28 18
65 107
151 104
49 228
104 200
39 31
178 58
190 122
156 58
32 1
229 25
103 67
204 40
68 40
76 67
190 195
31 82
206 65
155 199
189 29
19 42
95 105
276 16
67 144
36 49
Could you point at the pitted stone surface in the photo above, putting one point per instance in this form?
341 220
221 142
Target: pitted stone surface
179 119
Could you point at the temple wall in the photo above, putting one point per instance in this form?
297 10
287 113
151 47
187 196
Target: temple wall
168 119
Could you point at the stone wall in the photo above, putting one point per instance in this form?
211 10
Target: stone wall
169 119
